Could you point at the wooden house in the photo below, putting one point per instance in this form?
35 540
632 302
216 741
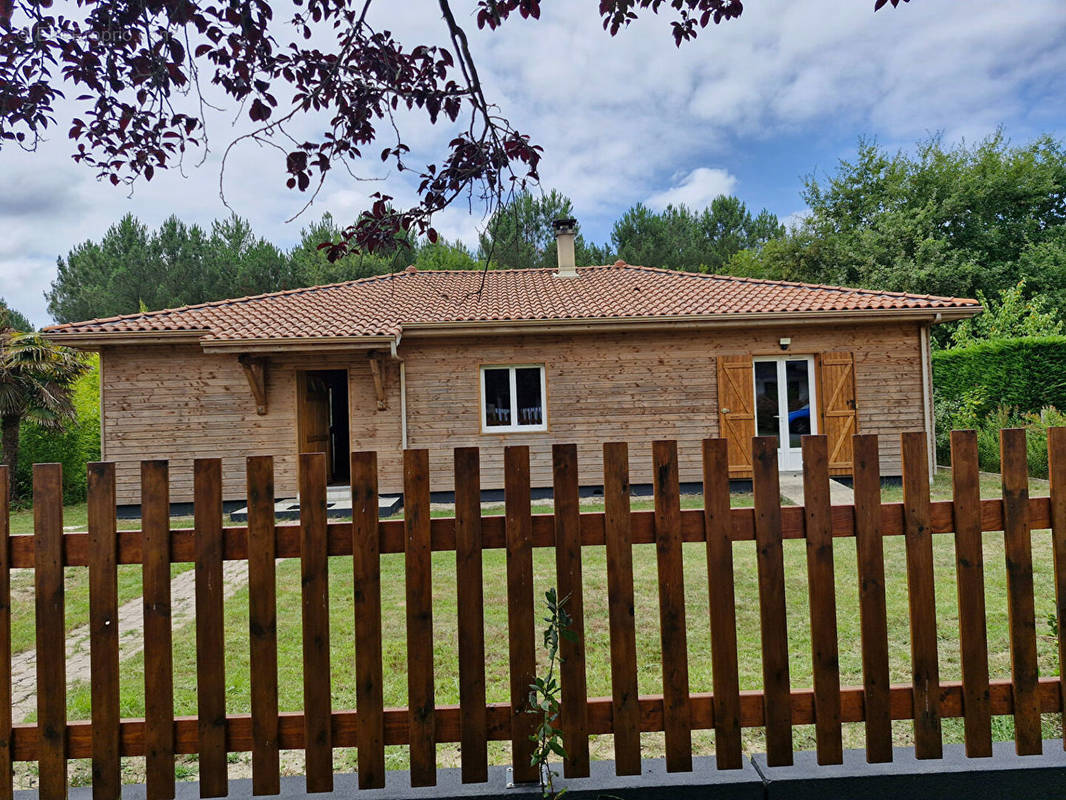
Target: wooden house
441 359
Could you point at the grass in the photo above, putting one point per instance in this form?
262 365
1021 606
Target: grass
76 579
597 639
941 487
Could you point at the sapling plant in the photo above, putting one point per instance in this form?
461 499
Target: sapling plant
545 693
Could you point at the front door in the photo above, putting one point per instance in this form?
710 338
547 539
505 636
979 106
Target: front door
322 421
313 412
784 399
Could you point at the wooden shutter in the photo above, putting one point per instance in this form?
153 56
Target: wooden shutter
836 400
736 410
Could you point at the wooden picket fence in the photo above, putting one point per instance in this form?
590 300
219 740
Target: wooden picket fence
318 729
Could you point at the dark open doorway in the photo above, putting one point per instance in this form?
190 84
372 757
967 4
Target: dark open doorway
322 419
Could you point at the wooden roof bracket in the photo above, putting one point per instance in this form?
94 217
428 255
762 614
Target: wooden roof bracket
377 373
255 371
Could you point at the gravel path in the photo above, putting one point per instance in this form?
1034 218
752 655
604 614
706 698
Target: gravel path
131 642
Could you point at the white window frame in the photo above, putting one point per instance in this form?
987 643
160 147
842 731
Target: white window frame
789 459
513 383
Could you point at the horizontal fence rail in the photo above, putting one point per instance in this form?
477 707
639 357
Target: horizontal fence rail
318 729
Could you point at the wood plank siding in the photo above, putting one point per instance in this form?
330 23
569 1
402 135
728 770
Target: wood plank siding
180 403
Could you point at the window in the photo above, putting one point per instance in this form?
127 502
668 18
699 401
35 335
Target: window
512 399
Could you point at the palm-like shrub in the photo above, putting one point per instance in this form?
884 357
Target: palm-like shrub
35 385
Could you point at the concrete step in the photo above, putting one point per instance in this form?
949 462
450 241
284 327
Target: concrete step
338 505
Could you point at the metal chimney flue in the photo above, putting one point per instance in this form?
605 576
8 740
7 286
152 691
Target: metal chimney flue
565 230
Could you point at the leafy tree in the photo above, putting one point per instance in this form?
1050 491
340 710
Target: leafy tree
311 265
106 278
339 78
12 319
443 254
682 238
35 383
132 268
243 264
521 235
1009 316
953 221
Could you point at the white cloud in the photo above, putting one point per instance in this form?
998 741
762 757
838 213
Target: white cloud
796 218
696 190
616 116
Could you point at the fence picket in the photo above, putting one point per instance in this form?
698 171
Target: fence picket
970 580
314 567
51 629
718 525
1056 444
418 571
103 627
625 707
470 597
7 773
574 712
1020 602
772 614
821 587
371 727
366 577
210 638
873 611
263 626
158 649
925 667
520 625
677 717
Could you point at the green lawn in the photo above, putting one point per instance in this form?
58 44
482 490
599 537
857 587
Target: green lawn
76 579
596 623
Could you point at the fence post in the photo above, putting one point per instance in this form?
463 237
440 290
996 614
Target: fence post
158 648
821 587
469 580
573 715
618 539
418 570
51 629
263 625
677 717
520 626
772 613
314 567
970 579
366 576
718 529
6 771
1056 443
103 625
925 667
873 612
210 622
1020 602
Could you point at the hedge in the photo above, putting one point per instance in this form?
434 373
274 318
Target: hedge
1026 374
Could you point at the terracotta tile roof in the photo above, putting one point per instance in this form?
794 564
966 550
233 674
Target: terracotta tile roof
384 305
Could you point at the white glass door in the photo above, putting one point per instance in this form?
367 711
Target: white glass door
784 398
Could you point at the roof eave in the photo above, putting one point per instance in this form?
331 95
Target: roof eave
317 343
96 340
930 315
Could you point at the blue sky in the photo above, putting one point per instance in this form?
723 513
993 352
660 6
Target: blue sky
749 108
